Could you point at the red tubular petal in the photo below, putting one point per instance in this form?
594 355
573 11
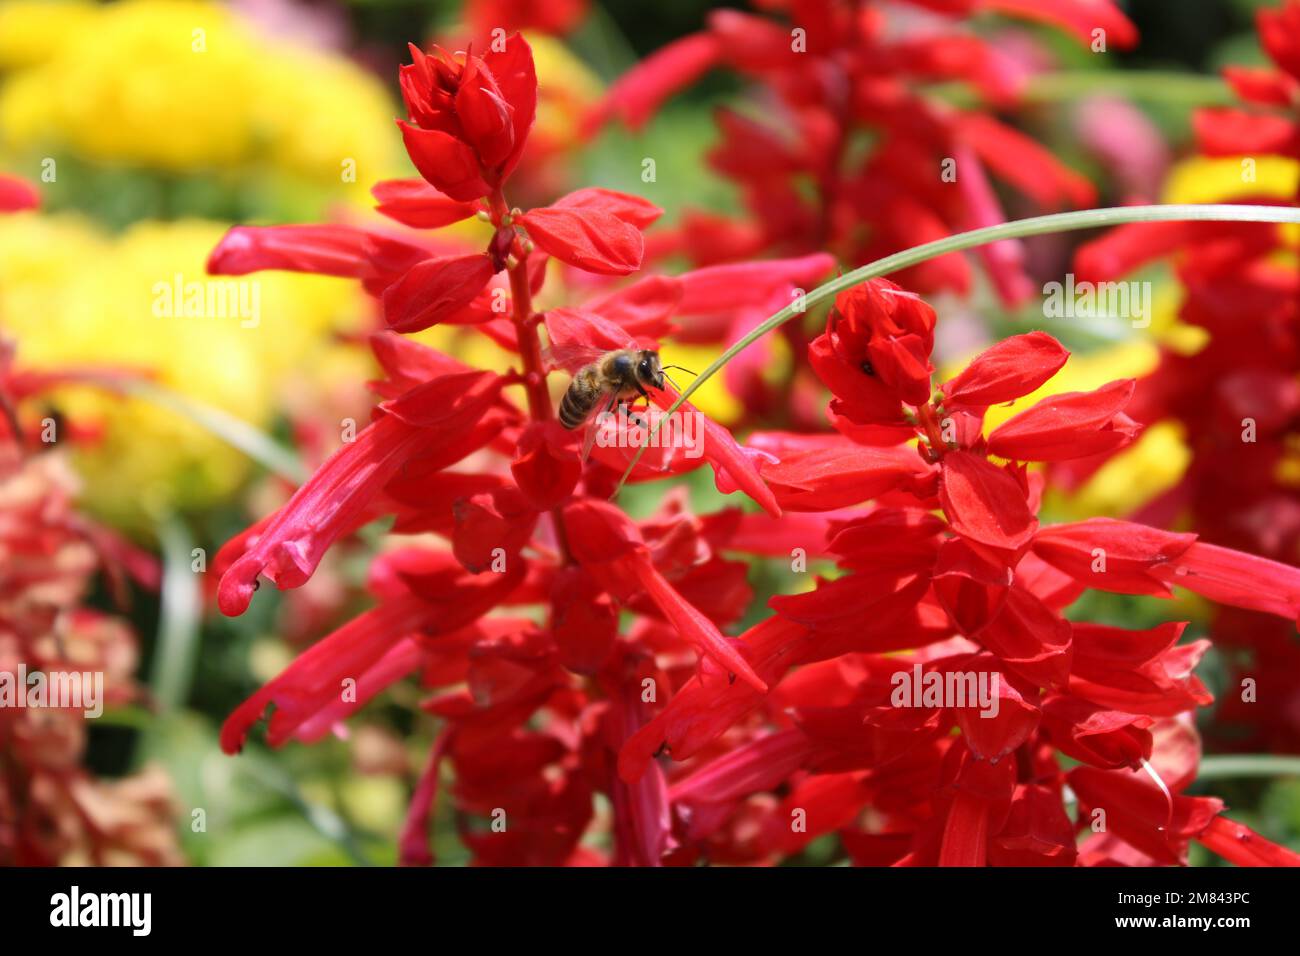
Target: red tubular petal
415 203
591 239
484 115
966 832
399 660
984 504
1259 85
547 466
322 250
1030 638
761 764
1014 367
314 681
708 704
642 817
733 465
434 289
1235 578
1026 164
637 95
489 525
644 308
1141 813
633 210
446 162
516 78
413 847
1110 555
1231 132
1068 425
735 285
823 479
1080 17
690 623
1241 845
330 501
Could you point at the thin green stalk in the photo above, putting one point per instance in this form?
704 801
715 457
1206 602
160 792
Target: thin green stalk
178 628
253 442
1018 229
1248 765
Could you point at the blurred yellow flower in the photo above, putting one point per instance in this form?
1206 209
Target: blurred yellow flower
187 86
73 295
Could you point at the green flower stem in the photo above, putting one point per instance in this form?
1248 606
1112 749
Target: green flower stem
1019 229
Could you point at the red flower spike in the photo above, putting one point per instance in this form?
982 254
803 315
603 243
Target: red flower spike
591 239
435 289
1006 371
415 203
1069 425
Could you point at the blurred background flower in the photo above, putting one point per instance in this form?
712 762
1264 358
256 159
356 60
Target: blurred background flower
151 126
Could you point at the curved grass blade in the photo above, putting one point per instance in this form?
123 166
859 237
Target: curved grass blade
254 443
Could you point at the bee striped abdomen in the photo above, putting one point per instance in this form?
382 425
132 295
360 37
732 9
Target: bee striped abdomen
583 393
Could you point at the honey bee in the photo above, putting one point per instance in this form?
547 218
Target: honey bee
617 375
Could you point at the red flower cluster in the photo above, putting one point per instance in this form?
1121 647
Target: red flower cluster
547 694
838 74
855 154
980 591
1236 397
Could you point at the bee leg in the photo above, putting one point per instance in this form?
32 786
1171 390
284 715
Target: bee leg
646 395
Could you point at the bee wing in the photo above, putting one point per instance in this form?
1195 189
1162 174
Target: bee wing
593 423
570 356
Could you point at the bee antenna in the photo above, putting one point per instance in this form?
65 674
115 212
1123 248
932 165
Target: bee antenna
679 368
670 378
